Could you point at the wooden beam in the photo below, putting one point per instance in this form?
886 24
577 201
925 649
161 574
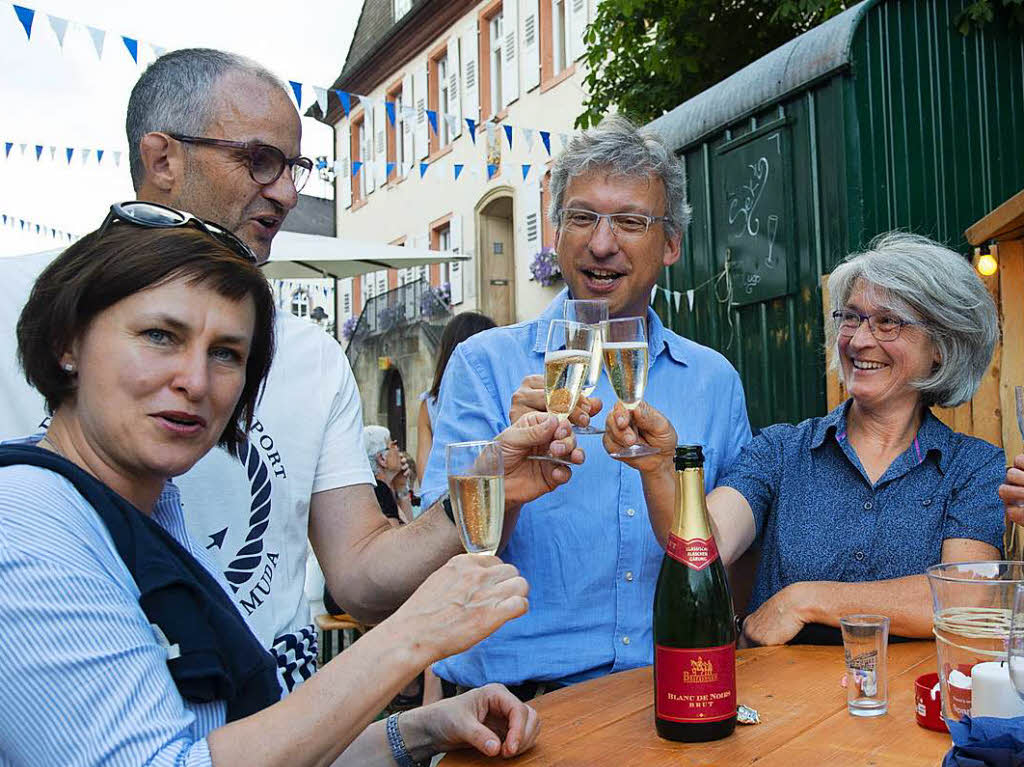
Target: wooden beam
998 224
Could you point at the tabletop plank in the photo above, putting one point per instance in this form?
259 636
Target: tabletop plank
610 721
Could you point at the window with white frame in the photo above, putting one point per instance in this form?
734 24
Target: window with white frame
497 32
444 242
300 303
559 36
443 102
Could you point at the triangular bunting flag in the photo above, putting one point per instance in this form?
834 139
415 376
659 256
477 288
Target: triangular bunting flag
8 146
458 170
321 98
389 107
528 138
25 16
159 50
23 147
356 165
423 168
39 151
4 215
563 138
491 171
85 155
432 117
676 298
526 171
99 156
689 298
53 153
60 27
98 38
389 169
545 136
69 151
346 101
117 159
654 292
471 124
297 90
508 134
133 47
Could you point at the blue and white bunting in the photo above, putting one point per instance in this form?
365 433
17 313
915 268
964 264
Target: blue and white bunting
133 47
99 37
545 136
60 28
508 134
471 124
297 90
25 16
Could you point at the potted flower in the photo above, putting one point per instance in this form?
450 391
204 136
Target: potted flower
544 267
348 327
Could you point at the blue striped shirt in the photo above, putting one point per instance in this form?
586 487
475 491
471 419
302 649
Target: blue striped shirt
85 678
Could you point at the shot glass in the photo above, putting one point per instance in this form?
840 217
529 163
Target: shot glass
865 643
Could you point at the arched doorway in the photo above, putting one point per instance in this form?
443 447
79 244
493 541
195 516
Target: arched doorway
393 395
496 249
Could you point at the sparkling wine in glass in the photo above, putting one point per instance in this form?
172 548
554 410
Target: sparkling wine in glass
625 361
593 313
476 483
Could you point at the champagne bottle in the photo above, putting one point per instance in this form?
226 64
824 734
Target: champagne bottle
694 629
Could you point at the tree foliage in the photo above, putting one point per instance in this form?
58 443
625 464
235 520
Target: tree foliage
647 56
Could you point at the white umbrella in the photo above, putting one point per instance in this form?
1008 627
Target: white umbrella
302 256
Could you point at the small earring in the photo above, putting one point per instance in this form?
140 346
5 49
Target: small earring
69 367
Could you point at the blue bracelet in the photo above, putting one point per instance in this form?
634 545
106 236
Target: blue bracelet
399 752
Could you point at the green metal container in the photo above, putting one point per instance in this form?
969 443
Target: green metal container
884 117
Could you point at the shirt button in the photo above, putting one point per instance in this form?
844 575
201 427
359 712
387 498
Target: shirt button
629 575
630 512
859 556
926 502
868 505
625 640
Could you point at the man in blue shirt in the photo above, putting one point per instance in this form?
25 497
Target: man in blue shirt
587 549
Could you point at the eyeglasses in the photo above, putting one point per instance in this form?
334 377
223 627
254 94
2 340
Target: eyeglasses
266 162
884 327
631 225
155 216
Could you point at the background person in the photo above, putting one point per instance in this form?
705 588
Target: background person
587 549
852 507
459 328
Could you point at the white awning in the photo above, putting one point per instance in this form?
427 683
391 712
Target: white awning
300 256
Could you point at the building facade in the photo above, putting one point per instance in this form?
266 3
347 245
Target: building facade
455 110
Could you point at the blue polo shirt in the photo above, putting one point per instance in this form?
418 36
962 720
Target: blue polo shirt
819 518
587 549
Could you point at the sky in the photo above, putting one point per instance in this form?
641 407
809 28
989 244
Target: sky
71 98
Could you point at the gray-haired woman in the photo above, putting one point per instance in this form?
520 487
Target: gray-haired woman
852 507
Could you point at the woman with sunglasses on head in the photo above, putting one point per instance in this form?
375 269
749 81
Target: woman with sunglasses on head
119 644
851 508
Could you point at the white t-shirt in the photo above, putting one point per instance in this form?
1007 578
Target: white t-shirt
251 517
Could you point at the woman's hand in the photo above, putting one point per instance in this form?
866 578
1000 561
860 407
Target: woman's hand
1012 491
647 426
490 719
531 397
465 600
536 434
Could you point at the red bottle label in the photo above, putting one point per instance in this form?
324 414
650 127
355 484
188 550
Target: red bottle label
695 553
695 685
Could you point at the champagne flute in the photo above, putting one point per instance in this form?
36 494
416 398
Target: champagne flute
476 483
625 360
593 313
1015 644
567 355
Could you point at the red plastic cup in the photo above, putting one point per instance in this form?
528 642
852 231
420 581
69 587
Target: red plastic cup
929 702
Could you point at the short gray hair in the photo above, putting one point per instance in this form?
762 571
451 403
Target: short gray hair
619 147
923 280
375 441
174 95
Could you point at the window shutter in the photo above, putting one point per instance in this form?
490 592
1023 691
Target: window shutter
577 26
369 159
532 213
510 53
470 57
454 99
455 267
381 278
407 126
380 141
422 149
531 45
343 177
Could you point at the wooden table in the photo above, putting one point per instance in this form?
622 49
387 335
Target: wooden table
796 690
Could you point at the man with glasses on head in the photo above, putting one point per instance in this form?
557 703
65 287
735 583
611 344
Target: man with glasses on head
217 135
587 549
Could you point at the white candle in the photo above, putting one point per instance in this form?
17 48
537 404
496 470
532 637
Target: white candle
992 692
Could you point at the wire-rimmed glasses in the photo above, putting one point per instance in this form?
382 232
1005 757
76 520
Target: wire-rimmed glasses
591 312
625 361
883 326
629 225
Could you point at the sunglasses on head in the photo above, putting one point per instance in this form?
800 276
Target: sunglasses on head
152 215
